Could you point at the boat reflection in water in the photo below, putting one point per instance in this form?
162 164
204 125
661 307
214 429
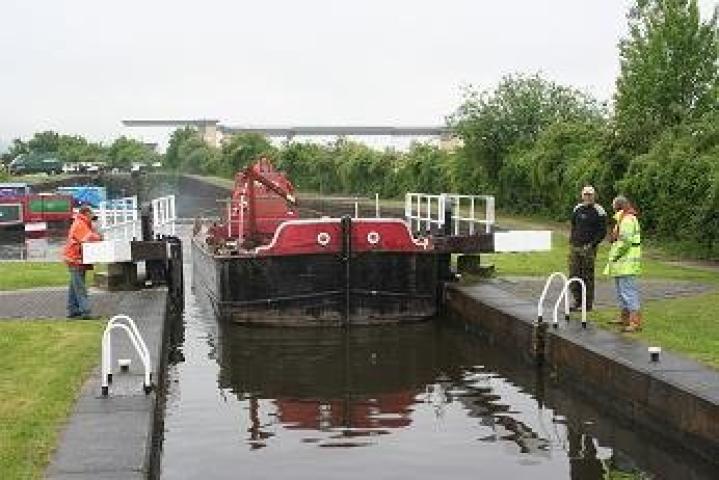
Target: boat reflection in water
347 387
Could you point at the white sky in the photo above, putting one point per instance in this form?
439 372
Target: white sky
81 66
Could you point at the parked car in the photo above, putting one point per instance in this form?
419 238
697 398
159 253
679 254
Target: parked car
35 163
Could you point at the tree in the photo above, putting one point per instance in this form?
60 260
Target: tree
44 142
125 151
196 156
17 147
512 116
676 184
178 137
74 148
242 149
669 70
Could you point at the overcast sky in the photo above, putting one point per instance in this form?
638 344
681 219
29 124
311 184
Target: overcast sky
81 66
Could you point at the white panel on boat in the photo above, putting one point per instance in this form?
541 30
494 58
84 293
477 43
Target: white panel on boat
523 241
106 251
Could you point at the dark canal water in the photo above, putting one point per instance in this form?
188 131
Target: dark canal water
414 401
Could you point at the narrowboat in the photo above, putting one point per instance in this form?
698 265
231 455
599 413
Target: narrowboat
20 207
264 265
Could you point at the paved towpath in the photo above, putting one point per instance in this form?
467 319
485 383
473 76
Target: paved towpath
530 288
50 302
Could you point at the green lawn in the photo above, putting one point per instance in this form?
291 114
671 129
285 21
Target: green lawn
17 275
688 325
44 363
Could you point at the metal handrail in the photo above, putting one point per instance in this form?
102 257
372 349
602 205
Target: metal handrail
540 303
565 294
471 219
140 347
426 201
164 215
119 214
428 210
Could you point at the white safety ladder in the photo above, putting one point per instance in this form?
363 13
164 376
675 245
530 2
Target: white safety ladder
564 295
123 322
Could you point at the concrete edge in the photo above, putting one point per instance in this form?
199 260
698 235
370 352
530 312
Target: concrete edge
677 399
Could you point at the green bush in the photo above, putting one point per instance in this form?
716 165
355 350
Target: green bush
676 184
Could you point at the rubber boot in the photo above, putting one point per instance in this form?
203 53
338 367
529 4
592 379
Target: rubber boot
635 322
622 319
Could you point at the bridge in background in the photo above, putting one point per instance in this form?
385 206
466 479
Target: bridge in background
212 131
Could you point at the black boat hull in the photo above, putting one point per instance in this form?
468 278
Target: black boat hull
316 290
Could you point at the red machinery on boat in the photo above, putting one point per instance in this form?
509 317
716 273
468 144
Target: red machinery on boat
264 265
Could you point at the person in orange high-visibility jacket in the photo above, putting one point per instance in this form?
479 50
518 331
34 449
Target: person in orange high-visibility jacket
81 231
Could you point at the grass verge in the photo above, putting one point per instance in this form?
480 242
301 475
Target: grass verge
44 364
687 325
19 275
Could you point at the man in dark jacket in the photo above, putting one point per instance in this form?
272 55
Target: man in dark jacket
589 227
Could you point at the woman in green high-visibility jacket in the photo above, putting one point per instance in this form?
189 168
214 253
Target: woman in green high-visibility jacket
624 263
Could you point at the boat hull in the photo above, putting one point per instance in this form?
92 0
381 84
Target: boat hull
315 289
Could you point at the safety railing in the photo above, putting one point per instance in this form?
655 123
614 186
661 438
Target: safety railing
470 213
118 219
466 209
424 210
125 323
540 303
563 296
164 215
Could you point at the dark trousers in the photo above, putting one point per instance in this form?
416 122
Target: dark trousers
581 264
77 302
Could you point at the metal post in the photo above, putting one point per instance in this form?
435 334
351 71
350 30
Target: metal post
419 213
455 215
376 205
489 215
346 223
471 215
